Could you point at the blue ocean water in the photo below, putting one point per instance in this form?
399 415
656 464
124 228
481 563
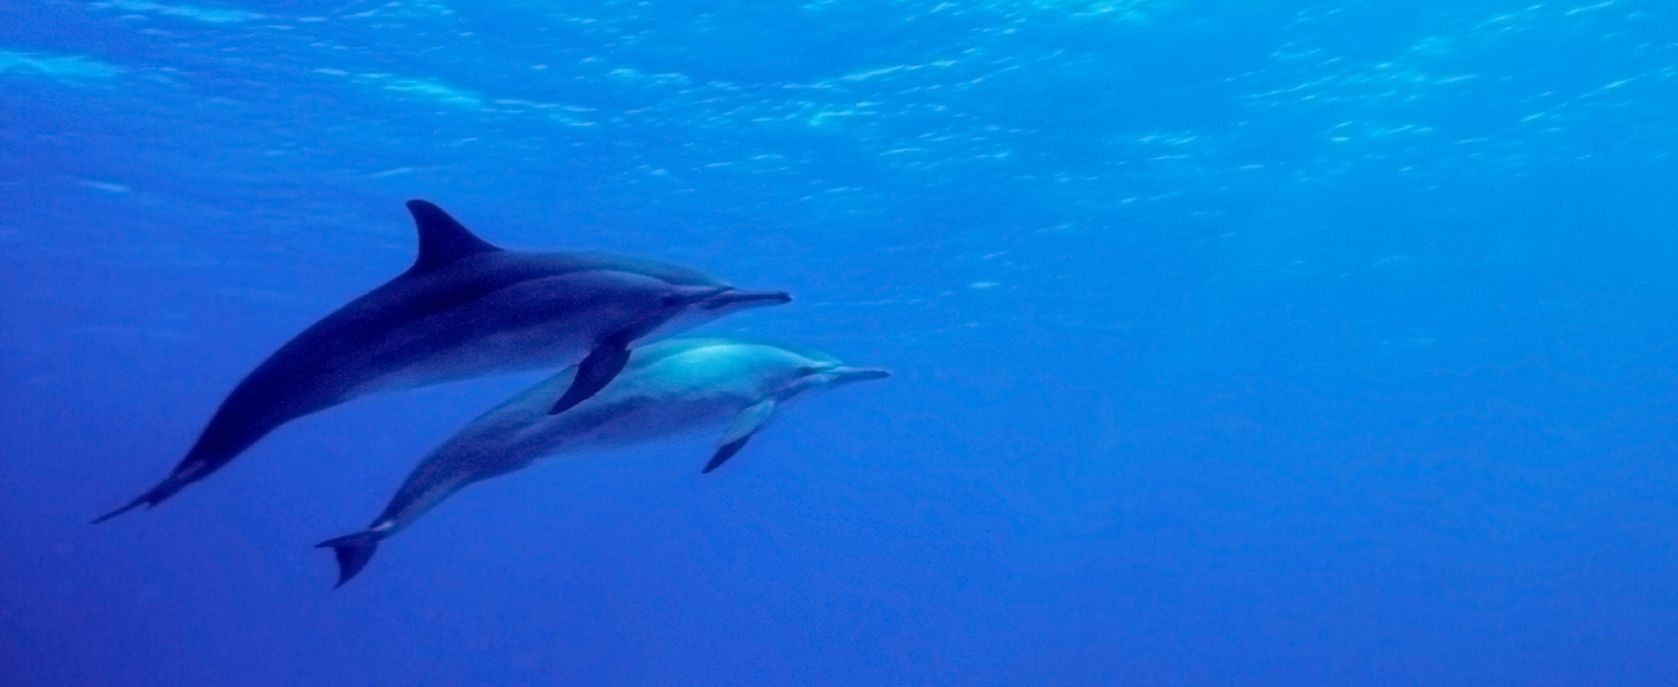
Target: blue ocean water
1235 342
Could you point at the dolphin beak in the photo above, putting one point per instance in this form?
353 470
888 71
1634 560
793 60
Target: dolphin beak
744 298
861 374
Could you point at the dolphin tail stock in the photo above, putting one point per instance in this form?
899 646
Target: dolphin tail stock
353 551
158 494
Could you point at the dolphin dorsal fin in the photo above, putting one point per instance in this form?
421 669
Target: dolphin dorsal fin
442 239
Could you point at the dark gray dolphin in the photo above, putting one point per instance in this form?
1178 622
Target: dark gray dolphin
464 309
670 388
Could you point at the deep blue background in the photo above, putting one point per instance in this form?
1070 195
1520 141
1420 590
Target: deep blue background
1238 342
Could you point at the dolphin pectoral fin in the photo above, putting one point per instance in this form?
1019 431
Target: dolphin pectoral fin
746 425
724 452
602 364
353 551
750 420
609 356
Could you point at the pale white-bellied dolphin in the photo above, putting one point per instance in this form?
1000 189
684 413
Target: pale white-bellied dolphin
669 388
464 309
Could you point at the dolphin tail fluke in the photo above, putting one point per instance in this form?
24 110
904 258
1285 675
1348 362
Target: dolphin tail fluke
152 497
353 551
